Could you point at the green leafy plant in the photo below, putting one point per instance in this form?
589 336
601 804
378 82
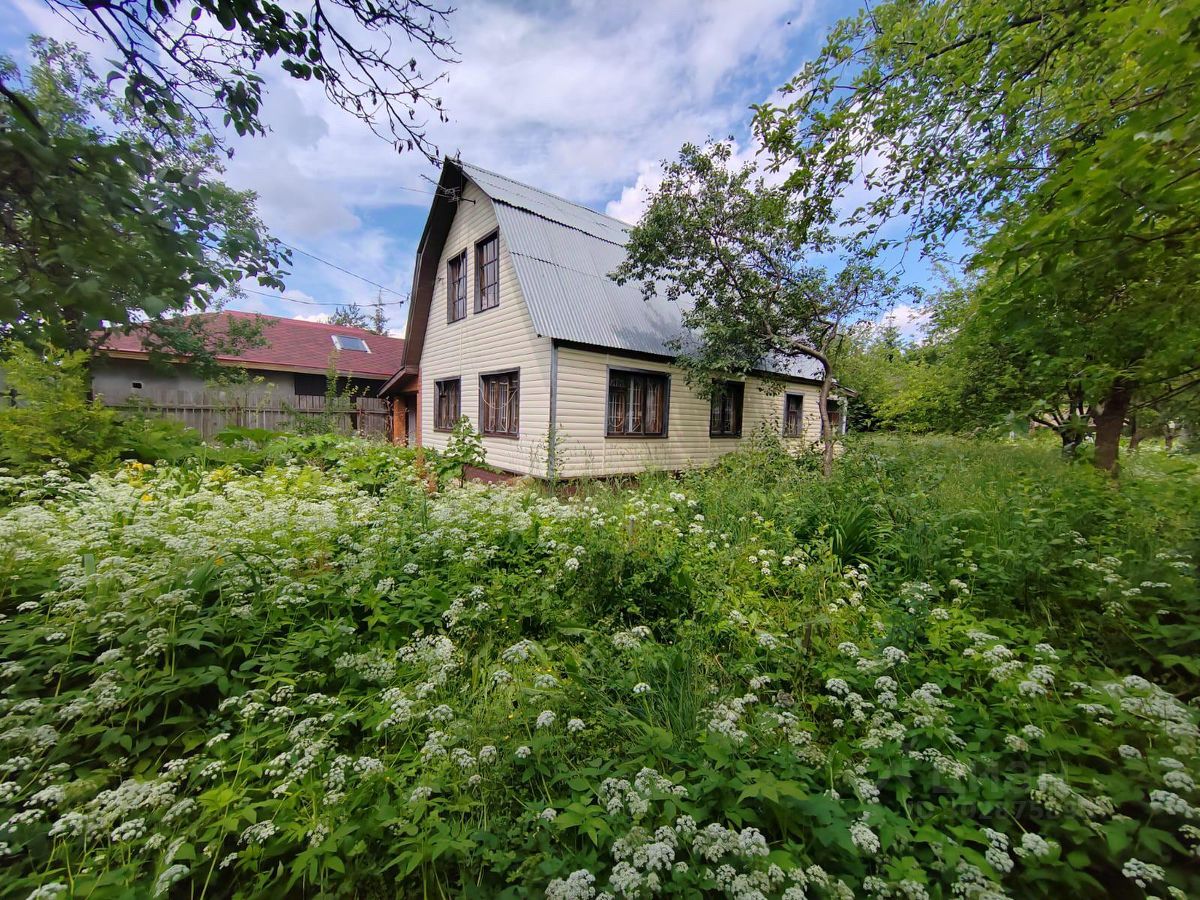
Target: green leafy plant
465 448
316 676
45 414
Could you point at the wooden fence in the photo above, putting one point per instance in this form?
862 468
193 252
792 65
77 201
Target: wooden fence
209 412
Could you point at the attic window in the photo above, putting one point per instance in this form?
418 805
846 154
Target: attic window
349 342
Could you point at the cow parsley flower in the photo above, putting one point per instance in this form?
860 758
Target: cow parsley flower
169 876
545 719
1143 874
641 688
1035 845
576 886
863 837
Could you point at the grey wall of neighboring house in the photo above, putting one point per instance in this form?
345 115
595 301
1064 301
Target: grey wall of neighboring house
120 381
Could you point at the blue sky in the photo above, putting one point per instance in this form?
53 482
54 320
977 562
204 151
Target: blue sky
582 98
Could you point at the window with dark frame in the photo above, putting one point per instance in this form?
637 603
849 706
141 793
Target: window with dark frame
637 404
500 404
456 288
725 410
447 403
487 273
793 418
834 414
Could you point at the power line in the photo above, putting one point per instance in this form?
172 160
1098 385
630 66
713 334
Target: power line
319 302
382 287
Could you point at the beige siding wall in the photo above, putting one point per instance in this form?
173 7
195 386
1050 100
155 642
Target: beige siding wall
496 340
583 448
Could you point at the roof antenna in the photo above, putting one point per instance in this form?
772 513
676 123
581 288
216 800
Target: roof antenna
454 195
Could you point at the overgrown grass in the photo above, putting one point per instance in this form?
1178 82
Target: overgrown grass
954 669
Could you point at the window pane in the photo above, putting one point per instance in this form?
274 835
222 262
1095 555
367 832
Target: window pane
617 400
793 422
456 287
349 342
499 403
487 265
725 413
637 404
654 399
447 407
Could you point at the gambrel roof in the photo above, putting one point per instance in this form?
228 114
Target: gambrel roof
563 255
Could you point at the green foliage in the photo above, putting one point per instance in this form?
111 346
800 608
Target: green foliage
351 315
465 448
946 669
740 251
46 418
1059 140
112 227
152 439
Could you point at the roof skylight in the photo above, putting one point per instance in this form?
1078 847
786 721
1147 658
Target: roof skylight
350 342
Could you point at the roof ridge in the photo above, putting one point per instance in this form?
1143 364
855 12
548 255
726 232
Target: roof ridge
539 190
241 313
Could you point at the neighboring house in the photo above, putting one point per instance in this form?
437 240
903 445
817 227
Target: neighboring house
292 362
516 324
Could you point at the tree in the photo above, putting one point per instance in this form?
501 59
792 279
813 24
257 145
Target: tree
349 316
1058 137
737 254
378 316
117 229
191 60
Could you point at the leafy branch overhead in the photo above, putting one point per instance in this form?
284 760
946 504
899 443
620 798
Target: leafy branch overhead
201 58
123 226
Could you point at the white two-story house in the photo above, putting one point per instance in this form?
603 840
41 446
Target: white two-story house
516 324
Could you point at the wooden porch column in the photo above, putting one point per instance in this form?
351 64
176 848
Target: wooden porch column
399 421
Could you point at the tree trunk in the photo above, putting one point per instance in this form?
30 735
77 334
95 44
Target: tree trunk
1110 422
1070 441
1135 434
826 426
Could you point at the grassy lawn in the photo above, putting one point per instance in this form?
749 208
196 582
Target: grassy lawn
954 669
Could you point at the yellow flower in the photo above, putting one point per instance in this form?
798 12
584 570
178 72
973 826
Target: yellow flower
146 498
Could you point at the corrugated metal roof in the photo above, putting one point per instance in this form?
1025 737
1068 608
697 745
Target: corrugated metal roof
564 254
548 206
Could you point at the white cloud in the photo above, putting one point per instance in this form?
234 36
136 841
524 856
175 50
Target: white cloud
579 97
634 198
912 321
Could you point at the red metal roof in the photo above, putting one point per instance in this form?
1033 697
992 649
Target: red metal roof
293 344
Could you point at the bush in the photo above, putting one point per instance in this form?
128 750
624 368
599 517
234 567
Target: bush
324 679
46 415
153 439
